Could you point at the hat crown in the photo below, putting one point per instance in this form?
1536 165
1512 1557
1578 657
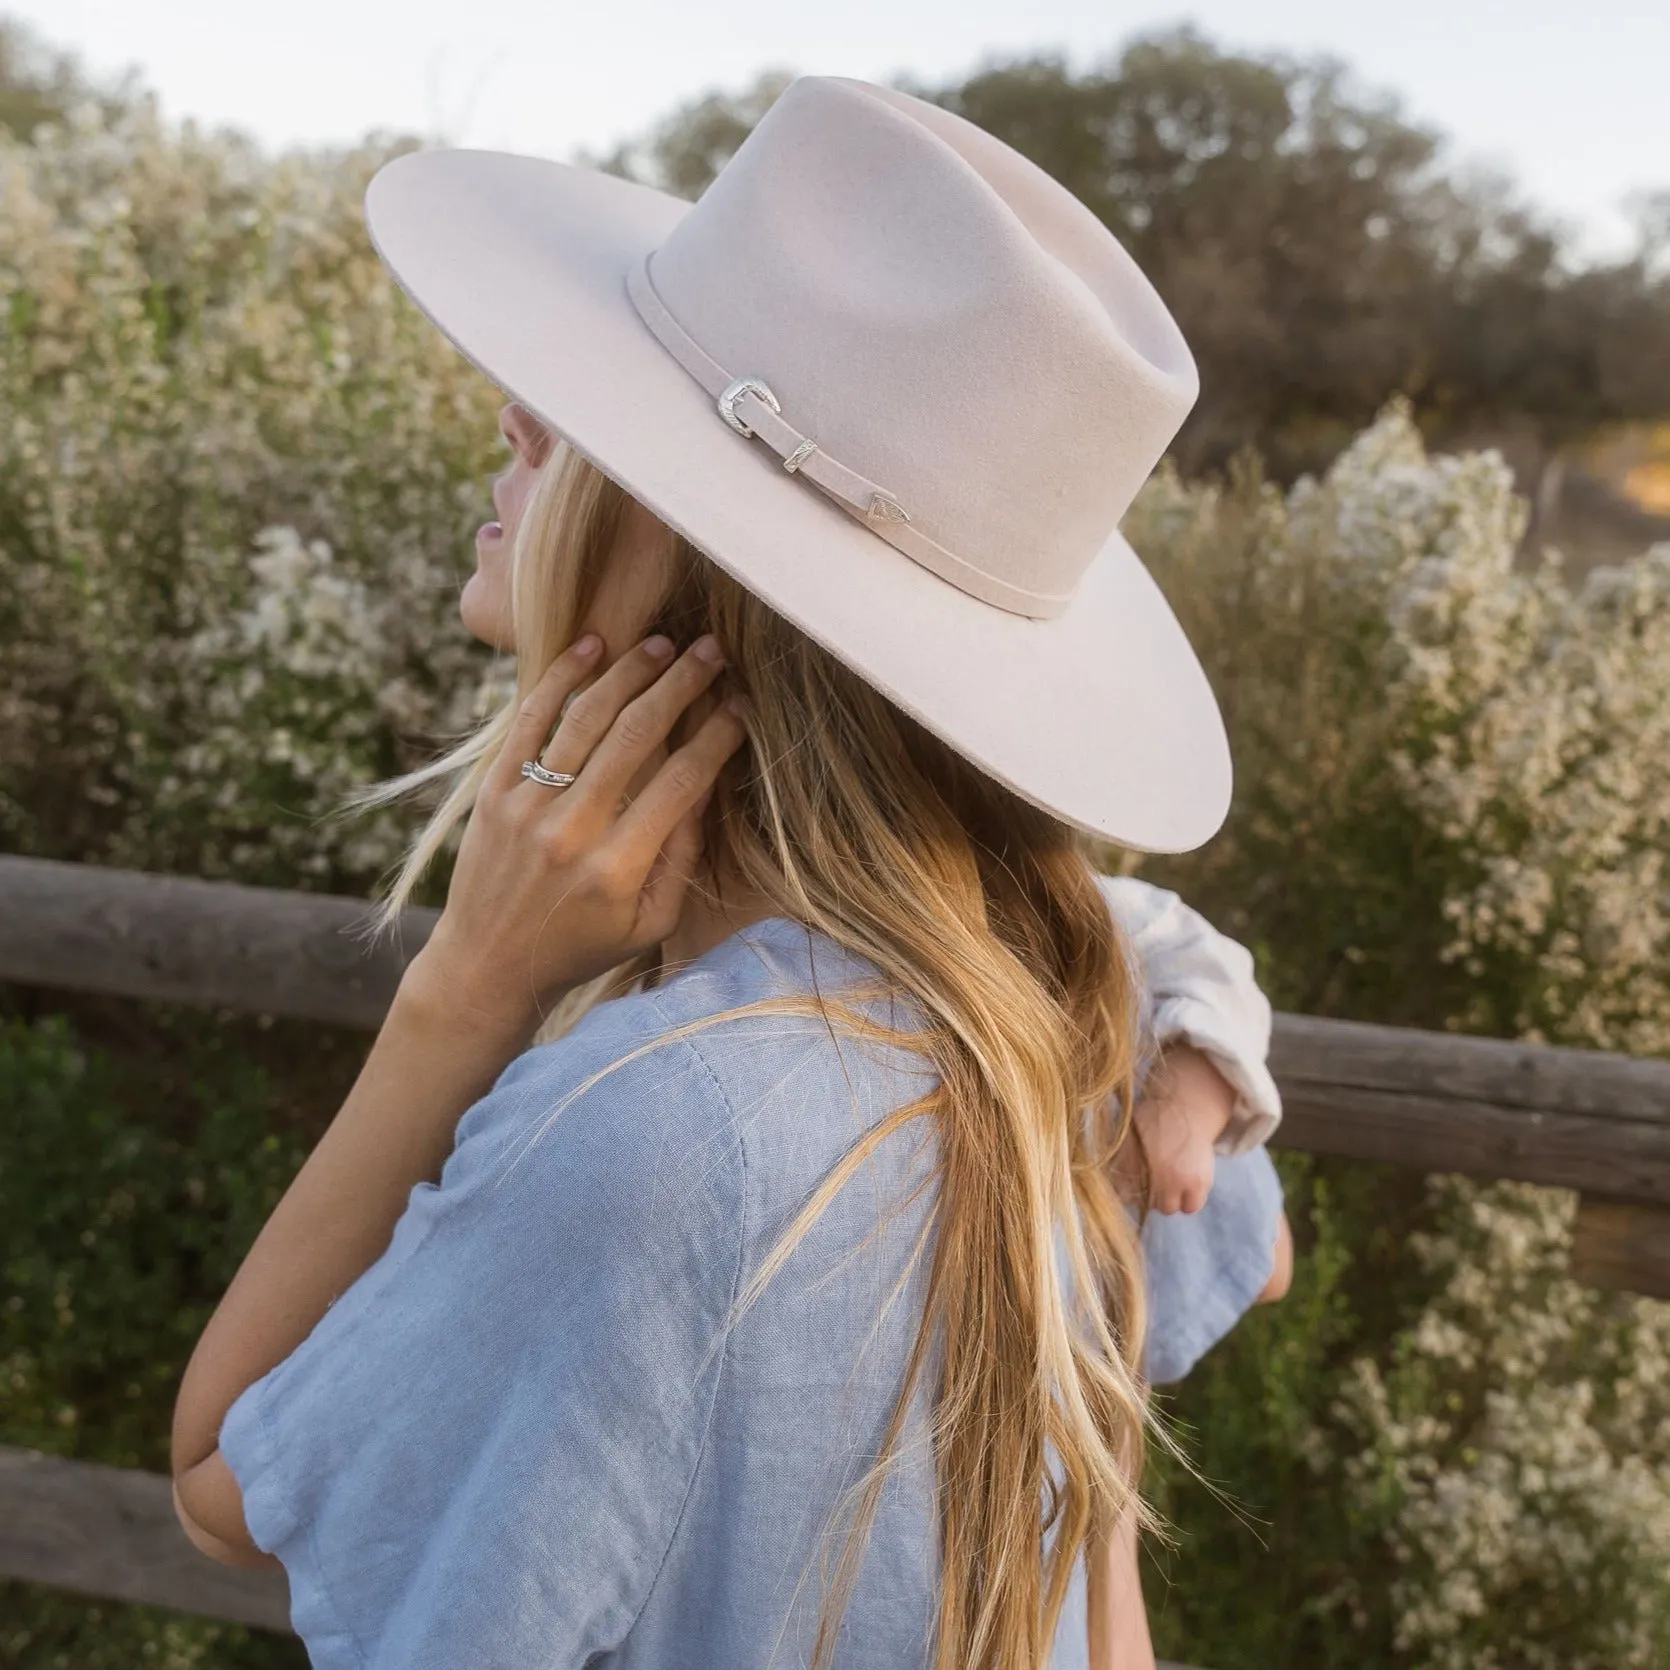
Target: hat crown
937 313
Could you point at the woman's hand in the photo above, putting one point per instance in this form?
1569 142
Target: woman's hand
555 885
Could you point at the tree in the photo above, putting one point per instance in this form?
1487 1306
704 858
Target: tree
1309 241
39 85
683 152
1287 223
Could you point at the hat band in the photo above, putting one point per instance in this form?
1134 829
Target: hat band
752 410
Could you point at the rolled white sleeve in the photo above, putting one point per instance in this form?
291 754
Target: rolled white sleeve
1201 989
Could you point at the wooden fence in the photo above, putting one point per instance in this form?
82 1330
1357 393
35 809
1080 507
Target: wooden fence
1576 1119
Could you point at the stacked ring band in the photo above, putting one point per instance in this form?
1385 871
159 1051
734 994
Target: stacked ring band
552 779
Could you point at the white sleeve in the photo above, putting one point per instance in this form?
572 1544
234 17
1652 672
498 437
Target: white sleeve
1201 989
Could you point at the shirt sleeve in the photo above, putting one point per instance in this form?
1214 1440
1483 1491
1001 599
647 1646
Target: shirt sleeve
1201 988
480 1454
1204 1269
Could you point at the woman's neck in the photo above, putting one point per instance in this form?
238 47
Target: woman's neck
712 913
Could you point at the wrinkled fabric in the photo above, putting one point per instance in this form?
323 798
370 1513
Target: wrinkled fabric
1205 1271
1200 990
540 1431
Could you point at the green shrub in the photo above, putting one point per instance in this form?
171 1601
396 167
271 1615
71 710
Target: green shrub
41 1629
122 1232
1453 811
121 1236
1266 1553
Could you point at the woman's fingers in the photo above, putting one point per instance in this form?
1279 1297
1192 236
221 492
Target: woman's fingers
643 723
687 774
532 725
670 874
638 855
558 886
592 715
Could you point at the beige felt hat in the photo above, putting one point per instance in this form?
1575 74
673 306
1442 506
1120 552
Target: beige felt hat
899 383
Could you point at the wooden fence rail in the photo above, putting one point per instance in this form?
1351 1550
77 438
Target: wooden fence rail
111 1531
1575 1119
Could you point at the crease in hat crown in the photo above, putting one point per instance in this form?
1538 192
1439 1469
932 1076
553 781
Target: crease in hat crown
931 330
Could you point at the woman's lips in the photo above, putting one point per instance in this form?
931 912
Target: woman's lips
488 532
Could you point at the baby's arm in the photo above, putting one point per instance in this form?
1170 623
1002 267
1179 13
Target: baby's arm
1182 1112
1210 1091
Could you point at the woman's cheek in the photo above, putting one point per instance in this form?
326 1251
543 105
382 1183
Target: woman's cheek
484 605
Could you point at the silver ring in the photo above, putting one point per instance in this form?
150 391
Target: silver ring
551 779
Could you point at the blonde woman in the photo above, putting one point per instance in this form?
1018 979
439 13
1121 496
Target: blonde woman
726 1256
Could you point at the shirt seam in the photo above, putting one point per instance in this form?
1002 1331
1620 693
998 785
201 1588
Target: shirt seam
736 1284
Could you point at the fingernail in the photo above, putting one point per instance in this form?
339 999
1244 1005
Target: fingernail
706 648
737 705
588 646
658 647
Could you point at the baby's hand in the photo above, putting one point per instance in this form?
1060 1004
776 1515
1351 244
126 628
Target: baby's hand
1185 1108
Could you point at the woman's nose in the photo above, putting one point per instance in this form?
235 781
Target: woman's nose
529 439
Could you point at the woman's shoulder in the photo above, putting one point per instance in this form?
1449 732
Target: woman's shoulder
840 1010
766 1098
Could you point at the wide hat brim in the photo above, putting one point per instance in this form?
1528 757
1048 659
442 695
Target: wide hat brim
1101 715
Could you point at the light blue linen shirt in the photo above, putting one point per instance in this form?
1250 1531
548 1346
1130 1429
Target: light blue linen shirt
534 1433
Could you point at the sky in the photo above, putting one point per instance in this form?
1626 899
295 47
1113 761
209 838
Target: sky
1569 99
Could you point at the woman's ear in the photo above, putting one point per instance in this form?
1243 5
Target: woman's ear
632 589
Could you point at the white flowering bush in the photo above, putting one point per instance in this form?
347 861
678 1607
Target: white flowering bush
1455 764
1536 740
1516 1443
1454 811
237 479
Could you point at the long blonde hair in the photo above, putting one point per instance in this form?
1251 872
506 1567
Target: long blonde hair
855 820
